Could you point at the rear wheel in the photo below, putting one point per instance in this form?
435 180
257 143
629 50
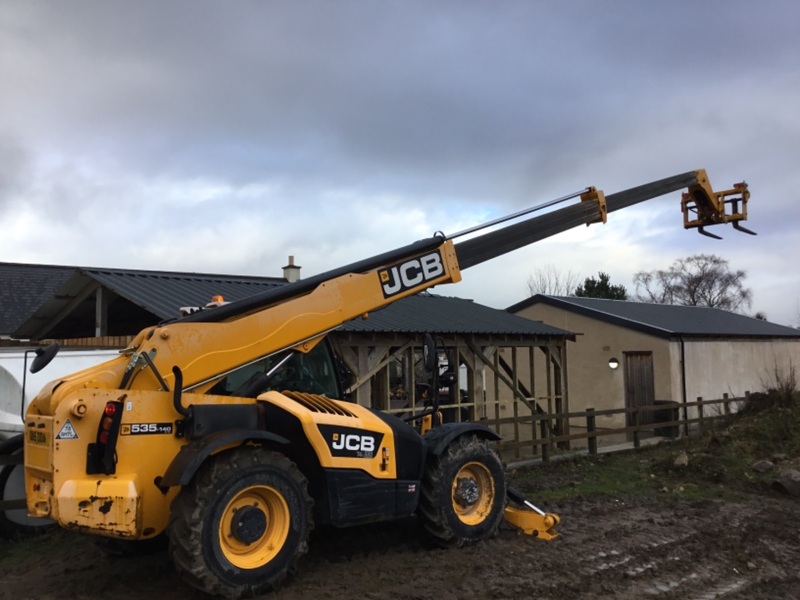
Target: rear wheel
242 524
463 493
15 523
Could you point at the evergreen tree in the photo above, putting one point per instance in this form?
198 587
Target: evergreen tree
601 288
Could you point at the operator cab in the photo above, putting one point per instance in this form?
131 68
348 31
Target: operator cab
314 372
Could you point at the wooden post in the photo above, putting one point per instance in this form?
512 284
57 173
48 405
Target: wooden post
700 413
532 392
590 430
726 405
544 426
636 442
515 401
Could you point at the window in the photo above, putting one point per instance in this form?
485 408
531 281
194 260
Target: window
313 372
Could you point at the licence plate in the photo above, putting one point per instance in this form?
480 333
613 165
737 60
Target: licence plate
38 437
38 443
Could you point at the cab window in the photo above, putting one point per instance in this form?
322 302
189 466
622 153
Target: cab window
313 373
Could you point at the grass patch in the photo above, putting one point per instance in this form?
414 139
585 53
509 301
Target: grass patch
717 464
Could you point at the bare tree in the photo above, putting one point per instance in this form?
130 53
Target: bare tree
548 280
698 280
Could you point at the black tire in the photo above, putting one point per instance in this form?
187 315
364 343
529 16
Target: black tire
242 524
16 524
463 493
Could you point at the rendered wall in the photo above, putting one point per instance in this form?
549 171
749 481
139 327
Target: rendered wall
713 366
735 367
592 383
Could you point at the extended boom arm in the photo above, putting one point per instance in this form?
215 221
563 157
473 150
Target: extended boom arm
303 311
594 207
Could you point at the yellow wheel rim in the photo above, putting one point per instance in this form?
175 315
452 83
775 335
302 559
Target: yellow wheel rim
254 527
473 493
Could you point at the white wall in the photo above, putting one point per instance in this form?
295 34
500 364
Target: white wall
12 367
734 367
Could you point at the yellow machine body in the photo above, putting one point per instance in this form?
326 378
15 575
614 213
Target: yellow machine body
130 503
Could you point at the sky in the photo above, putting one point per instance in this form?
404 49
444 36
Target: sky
223 137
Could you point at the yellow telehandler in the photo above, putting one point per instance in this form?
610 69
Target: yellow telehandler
222 429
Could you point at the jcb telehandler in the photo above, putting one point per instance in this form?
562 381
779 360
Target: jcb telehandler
222 428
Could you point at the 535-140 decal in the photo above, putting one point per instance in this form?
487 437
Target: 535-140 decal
145 428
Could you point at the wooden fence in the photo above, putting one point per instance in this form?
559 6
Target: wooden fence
546 438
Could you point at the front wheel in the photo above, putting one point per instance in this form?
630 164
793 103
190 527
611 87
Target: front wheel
463 493
240 527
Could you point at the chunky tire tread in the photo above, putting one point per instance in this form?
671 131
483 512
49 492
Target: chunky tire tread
192 523
11 529
436 511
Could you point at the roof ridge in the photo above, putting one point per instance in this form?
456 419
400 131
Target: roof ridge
672 319
174 274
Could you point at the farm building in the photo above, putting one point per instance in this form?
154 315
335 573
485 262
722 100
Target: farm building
630 354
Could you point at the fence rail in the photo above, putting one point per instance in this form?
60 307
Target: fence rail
550 435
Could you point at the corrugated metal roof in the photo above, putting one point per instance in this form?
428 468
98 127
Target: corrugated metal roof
440 314
164 293
23 288
160 293
665 320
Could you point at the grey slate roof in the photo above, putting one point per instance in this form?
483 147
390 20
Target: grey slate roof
23 288
665 320
441 314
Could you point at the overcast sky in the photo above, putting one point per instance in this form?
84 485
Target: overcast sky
221 137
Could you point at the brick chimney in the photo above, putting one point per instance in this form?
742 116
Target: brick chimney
291 272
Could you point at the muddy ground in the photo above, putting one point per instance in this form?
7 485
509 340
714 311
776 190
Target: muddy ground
662 546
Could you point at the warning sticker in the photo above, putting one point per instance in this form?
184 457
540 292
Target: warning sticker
67 432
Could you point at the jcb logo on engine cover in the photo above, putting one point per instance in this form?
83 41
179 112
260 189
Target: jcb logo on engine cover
411 273
353 443
356 443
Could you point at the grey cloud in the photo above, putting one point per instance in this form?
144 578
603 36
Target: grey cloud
464 108
14 171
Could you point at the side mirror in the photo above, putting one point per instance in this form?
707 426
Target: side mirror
429 357
43 357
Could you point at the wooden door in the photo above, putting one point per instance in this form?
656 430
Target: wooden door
640 389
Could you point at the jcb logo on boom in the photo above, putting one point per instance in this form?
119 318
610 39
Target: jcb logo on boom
411 273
